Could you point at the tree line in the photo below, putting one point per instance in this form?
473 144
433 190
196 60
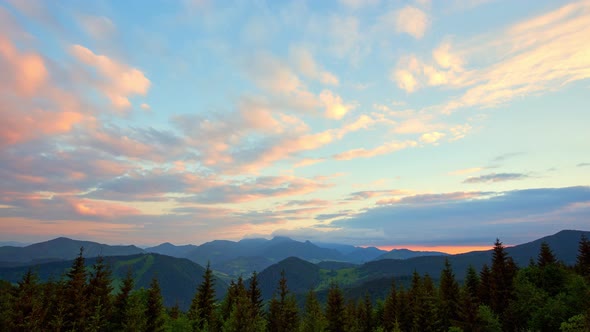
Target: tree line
546 295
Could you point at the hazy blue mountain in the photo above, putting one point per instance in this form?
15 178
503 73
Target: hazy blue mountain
62 249
178 277
362 255
170 249
406 253
301 276
219 252
375 277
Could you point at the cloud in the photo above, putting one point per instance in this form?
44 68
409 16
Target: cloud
583 164
116 80
307 65
335 108
98 27
380 150
368 194
493 177
357 4
507 215
412 21
431 138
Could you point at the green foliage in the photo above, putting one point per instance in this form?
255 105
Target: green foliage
574 324
487 320
546 256
313 319
154 310
390 309
203 304
335 309
75 295
583 258
283 312
448 298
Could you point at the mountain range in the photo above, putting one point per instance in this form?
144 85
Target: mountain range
313 267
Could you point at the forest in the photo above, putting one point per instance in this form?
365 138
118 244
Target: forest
546 295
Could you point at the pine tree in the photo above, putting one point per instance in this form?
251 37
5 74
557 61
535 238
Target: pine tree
448 308
424 308
121 303
485 284
365 315
241 318
404 314
99 295
75 290
154 310
283 311
203 304
335 309
255 295
27 311
546 256
351 322
472 283
390 308
467 309
583 258
502 275
313 319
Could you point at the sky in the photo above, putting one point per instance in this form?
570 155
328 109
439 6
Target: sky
415 124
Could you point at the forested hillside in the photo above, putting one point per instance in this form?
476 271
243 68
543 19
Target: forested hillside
544 295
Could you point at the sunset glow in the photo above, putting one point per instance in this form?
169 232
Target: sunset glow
428 125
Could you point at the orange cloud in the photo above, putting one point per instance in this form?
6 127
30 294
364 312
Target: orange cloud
380 150
121 80
104 209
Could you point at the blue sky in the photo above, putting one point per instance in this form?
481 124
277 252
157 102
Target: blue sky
358 121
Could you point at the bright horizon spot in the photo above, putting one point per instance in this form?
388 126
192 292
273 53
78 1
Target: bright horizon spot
355 122
446 249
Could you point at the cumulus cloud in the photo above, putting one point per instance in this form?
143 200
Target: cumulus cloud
335 107
412 21
116 80
496 177
380 150
432 137
308 66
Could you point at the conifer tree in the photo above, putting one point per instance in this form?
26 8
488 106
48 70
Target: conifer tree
255 295
121 303
390 308
501 286
99 295
583 258
404 314
365 315
351 322
546 256
472 283
229 300
75 290
154 310
485 284
203 304
283 311
335 309
241 318
424 306
448 304
27 311
313 319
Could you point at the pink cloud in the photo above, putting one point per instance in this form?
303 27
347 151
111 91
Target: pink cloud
117 81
